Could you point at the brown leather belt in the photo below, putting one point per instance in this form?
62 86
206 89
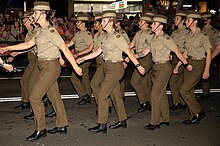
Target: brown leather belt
47 59
196 58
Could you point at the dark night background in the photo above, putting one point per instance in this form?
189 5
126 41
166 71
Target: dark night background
61 6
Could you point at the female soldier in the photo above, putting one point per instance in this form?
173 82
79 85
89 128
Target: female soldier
160 46
83 41
199 56
140 83
48 42
112 47
32 57
176 80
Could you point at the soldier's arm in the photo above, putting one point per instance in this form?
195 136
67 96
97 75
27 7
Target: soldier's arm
21 46
216 51
85 51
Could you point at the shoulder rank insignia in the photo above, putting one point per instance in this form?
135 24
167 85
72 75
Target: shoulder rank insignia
167 37
52 30
117 36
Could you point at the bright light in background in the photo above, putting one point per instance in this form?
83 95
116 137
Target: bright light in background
187 6
213 11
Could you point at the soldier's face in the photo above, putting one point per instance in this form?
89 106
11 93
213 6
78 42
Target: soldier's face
105 23
36 15
177 20
189 22
78 24
155 26
96 25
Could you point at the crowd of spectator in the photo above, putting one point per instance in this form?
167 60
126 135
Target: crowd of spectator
12 29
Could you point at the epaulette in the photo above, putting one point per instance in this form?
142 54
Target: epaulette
52 30
205 34
118 36
166 36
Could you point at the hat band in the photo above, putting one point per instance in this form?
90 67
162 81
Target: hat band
194 16
160 20
181 14
41 7
108 15
97 18
82 19
146 19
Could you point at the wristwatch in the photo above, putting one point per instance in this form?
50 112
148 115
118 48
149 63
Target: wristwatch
186 65
1 64
137 65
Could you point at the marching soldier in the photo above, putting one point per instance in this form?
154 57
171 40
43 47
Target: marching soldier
199 56
112 47
140 83
48 43
176 80
31 58
160 46
213 38
83 41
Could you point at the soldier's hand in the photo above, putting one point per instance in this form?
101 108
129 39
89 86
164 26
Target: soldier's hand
189 68
61 61
205 75
79 60
125 65
79 71
3 49
127 59
176 70
8 67
141 70
14 54
75 56
10 59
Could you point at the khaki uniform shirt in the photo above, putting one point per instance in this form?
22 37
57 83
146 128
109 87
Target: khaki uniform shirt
97 41
142 40
196 44
82 40
113 45
29 36
123 33
161 47
179 37
212 34
48 40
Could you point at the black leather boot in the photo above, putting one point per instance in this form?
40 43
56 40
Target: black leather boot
84 99
119 124
100 128
51 114
37 135
24 105
195 119
145 106
61 130
151 127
